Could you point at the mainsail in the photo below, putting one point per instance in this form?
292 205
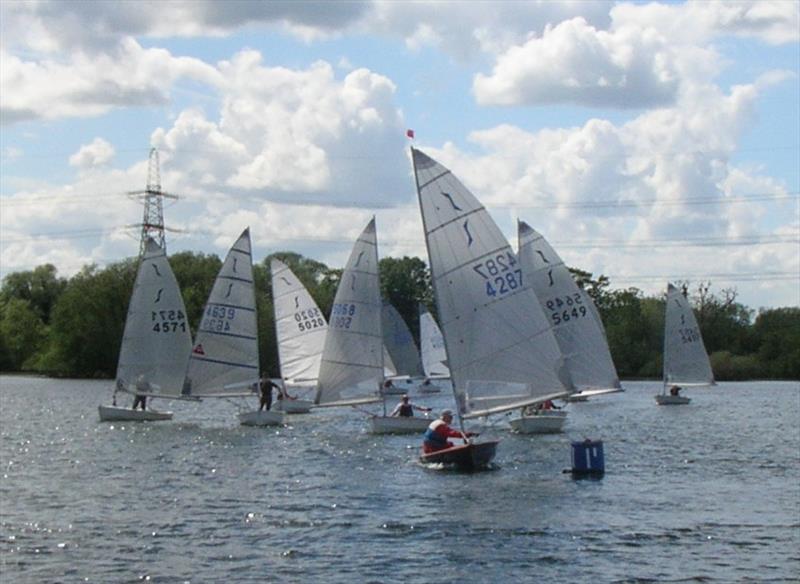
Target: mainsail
571 313
685 358
434 356
224 360
501 350
156 341
399 342
300 327
352 361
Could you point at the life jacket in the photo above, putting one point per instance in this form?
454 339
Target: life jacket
405 411
432 438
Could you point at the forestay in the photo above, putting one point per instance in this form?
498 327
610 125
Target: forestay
685 358
299 325
352 361
493 326
434 356
224 360
571 313
156 341
399 342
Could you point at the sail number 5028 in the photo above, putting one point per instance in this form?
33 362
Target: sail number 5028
500 275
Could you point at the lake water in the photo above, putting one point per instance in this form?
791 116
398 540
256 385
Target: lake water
708 492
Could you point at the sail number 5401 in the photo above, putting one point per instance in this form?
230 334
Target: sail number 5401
500 275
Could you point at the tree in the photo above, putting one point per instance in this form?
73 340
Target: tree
22 334
405 284
88 321
40 287
777 332
627 332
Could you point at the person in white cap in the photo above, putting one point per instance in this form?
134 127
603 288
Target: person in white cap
439 431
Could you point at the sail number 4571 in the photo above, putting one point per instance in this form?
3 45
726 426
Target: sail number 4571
500 275
168 321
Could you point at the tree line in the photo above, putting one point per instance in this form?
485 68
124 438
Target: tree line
72 327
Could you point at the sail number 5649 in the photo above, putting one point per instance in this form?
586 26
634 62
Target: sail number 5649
500 275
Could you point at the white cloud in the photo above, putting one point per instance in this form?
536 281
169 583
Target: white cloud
293 135
98 153
92 84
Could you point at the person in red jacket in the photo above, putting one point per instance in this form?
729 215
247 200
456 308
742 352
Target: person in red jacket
439 431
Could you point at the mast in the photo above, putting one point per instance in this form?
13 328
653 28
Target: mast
153 198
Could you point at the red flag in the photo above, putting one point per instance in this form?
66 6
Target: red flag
410 134
198 350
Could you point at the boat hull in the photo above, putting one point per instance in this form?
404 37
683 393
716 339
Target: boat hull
672 400
293 406
261 418
550 423
117 414
399 425
470 456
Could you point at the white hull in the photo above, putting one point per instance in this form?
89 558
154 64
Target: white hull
117 414
399 425
261 418
292 406
549 423
672 400
430 388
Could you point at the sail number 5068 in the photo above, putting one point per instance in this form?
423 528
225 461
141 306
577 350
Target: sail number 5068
500 275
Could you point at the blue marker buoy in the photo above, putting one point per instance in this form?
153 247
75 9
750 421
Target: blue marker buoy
587 458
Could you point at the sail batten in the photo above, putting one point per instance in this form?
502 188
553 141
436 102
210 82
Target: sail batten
156 340
352 359
492 324
685 358
570 311
225 354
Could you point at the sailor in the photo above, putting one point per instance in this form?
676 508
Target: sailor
142 385
439 431
265 385
405 409
674 390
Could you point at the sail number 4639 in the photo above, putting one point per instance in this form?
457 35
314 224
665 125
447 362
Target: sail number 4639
500 275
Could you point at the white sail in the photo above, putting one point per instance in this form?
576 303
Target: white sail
685 358
501 350
571 313
156 341
399 342
434 356
389 368
224 359
352 361
300 327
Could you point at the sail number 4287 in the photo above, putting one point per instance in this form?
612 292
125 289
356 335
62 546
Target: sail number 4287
500 275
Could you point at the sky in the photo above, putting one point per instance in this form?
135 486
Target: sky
648 142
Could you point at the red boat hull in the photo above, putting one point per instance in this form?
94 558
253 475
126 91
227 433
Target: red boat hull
465 456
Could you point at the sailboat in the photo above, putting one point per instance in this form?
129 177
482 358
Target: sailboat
300 328
351 372
580 335
501 350
403 353
685 359
432 351
156 340
224 360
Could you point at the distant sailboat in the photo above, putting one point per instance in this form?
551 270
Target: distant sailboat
501 350
579 333
300 329
432 351
224 362
404 354
686 362
351 371
156 341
